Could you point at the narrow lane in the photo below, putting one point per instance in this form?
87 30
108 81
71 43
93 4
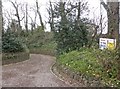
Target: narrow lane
34 72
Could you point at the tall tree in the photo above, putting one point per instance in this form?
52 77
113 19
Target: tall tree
1 23
17 11
16 6
69 30
39 14
26 16
112 9
1 29
33 19
51 16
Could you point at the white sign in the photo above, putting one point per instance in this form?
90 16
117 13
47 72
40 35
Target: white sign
102 43
106 43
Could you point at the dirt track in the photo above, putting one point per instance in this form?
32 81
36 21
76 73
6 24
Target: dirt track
34 72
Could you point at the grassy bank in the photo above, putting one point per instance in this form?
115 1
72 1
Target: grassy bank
102 65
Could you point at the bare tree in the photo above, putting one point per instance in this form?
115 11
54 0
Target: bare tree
33 19
33 23
93 30
16 7
51 16
96 27
8 18
39 14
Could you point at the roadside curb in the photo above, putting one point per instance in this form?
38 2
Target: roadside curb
15 63
14 58
73 79
51 70
62 78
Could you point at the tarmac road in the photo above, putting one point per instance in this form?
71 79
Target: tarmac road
34 72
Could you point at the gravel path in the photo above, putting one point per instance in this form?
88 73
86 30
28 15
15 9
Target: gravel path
34 72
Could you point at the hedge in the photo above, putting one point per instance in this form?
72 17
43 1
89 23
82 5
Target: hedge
8 58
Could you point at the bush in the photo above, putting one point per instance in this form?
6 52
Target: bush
71 38
102 65
11 43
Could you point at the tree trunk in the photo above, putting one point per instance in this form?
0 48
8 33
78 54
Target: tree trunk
62 13
112 9
40 17
51 18
1 29
26 23
113 21
1 22
79 9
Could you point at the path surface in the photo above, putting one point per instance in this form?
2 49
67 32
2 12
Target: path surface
34 72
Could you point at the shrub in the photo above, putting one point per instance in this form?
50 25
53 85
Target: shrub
71 38
11 43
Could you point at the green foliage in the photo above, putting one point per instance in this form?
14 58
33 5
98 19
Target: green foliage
71 38
69 29
35 39
102 65
40 42
48 48
11 43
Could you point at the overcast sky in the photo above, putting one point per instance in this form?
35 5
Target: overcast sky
94 6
